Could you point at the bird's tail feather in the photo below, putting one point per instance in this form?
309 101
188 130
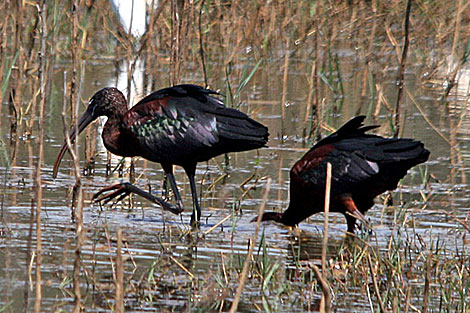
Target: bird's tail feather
237 128
403 150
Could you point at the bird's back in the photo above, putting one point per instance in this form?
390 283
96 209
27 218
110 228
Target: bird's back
185 123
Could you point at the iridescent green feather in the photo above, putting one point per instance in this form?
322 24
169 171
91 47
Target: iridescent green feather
162 126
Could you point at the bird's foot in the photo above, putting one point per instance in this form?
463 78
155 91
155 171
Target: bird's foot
119 190
195 225
122 190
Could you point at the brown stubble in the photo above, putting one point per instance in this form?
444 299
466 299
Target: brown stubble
74 101
4 23
42 11
401 73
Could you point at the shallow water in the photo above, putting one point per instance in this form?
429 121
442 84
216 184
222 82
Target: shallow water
152 235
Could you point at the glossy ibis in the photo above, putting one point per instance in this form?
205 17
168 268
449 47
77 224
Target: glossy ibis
179 125
363 167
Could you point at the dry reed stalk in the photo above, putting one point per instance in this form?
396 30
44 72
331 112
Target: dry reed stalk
352 19
91 132
109 168
52 51
151 32
181 20
252 243
175 41
427 281
217 224
74 97
455 42
14 94
376 285
324 300
284 86
250 28
407 299
201 45
184 268
367 59
233 31
460 156
18 74
119 283
332 25
27 283
280 179
8 254
453 75
378 103
14 147
3 43
452 157
401 73
458 20
309 103
131 64
110 256
31 107
317 113
42 11
325 304
75 60
91 136
271 29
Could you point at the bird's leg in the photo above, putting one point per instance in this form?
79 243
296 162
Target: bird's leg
165 187
351 221
124 189
196 216
352 213
168 168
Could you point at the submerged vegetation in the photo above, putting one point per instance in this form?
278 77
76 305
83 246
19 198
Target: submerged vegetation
303 68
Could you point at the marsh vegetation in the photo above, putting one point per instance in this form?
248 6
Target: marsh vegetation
302 68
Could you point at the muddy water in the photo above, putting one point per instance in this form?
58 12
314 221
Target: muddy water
159 240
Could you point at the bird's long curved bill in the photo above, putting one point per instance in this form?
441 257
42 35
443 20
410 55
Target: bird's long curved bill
83 122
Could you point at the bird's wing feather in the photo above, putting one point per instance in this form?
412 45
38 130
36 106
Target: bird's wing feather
348 169
369 160
183 93
163 126
186 122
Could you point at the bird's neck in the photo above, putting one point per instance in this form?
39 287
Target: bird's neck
297 211
272 216
115 138
118 110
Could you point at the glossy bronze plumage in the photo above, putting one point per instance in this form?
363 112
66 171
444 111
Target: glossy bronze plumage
363 167
180 125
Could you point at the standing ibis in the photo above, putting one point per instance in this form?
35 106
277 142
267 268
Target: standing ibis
180 125
363 167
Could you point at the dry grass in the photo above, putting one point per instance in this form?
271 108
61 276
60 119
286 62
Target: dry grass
229 45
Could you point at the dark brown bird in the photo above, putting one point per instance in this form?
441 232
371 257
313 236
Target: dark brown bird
363 167
180 125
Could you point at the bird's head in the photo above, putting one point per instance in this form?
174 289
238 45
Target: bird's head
105 102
